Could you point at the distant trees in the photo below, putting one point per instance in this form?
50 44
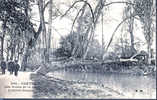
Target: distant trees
145 10
19 35
122 47
83 35
148 12
87 19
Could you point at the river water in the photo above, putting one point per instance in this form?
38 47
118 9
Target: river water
132 86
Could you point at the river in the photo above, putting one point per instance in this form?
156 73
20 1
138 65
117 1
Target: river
133 86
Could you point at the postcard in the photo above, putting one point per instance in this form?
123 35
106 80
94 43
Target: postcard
78 49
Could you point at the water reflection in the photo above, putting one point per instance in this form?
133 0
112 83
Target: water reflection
131 85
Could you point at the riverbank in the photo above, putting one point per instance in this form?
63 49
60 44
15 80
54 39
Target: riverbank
119 84
112 87
93 66
67 84
99 67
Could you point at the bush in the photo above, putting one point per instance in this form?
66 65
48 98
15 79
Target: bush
68 43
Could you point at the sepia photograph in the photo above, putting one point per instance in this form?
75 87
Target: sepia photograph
78 49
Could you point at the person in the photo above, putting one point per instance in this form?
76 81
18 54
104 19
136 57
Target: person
10 66
3 66
16 68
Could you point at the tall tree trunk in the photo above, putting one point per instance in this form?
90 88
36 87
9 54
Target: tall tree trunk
13 46
2 45
78 32
149 53
131 28
122 44
49 27
18 51
12 52
42 19
102 36
7 52
97 13
25 58
2 39
133 51
32 42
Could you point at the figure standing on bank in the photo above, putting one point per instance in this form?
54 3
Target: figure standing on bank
3 66
11 66
16 68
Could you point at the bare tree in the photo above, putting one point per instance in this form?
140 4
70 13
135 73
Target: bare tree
42 19
49 29
102 36
97 13
129 10
79 31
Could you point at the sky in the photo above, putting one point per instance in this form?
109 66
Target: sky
111 19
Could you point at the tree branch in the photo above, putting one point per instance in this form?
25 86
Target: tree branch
46 5
91 10
76 19
120 2
117 29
